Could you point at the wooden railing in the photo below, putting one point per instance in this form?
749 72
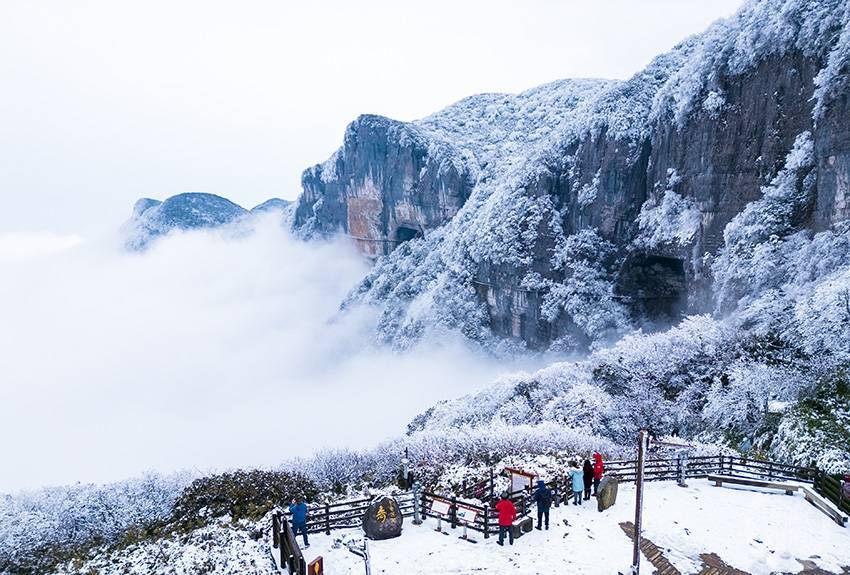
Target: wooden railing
283 539
346 514
698 467
829 486
478 495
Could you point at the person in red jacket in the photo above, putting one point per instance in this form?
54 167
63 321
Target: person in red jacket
507 514
598 471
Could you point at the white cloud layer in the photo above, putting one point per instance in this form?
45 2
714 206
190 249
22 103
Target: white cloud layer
204 352
27 246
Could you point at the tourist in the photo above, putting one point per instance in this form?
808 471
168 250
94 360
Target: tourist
598 471
507 514
543 498
298 509
577 480
588 478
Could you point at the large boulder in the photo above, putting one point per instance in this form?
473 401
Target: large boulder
606 495
383 519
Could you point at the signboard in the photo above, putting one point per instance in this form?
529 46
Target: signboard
520 479
466 514
440 507
316 567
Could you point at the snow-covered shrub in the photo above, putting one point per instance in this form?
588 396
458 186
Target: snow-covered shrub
818 428
759 30
222 548
238 494
746 265
670 220
40 528
740 400
823 318
713 103
832 80
585 297
587 193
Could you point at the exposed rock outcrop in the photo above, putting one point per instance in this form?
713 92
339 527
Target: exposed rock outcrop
656 166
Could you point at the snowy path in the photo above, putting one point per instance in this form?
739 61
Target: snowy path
755 531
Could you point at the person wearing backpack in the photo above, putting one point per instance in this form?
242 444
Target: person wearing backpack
543 499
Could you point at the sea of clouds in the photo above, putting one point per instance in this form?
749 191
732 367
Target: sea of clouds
208 351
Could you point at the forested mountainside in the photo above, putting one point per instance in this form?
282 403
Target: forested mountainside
575 212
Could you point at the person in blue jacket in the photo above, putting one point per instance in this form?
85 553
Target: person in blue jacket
543 499
299 518
577 480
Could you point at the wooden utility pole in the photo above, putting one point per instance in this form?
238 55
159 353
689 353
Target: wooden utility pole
643 436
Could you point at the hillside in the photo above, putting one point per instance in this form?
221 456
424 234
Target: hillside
572 213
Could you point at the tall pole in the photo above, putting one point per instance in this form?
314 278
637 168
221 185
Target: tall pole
642 437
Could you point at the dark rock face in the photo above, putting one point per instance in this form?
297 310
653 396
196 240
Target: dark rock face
383 519
606 495
386 185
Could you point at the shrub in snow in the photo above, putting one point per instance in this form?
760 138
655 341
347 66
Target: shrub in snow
669 220
739 401
752 240
238 495
818 428
585 297
587 193
713 103
41 528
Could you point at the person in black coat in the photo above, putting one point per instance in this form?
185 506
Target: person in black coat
588 478
543 498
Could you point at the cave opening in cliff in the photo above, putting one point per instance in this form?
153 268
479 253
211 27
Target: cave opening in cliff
655 288
405 234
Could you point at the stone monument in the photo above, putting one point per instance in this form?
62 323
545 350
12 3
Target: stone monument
606 495
382 519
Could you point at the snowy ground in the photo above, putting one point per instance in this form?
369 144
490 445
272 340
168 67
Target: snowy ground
760 532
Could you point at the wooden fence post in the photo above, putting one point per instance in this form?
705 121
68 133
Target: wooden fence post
486 520
275 530
284 556
492 484
327 519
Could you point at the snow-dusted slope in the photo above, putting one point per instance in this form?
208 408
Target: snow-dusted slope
647 172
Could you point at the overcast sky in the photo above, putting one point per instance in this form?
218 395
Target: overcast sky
105 101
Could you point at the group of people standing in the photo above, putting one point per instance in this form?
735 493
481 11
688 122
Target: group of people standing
581 480
589 475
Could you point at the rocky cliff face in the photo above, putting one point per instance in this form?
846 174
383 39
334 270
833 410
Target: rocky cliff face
508 191
388 184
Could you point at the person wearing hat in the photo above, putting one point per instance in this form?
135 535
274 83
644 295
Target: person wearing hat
507 514
543 498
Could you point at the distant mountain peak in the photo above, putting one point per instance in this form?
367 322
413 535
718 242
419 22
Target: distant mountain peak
191 210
